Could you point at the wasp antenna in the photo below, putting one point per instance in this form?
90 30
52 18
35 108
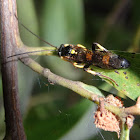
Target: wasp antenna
34 33
29 52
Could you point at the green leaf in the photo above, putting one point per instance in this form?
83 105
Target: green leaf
92 89
126 81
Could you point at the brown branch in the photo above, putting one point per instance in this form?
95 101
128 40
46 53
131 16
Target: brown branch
9 42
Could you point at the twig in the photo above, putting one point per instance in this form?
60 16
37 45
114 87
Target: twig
76 86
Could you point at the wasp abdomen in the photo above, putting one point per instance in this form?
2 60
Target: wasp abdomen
118 62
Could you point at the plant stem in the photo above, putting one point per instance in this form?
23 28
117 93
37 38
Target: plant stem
9 42
53 78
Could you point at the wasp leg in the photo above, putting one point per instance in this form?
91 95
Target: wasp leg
87 69
94 45
100 75
78 65
91 71
81 46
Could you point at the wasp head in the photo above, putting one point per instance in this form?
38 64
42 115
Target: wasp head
65 50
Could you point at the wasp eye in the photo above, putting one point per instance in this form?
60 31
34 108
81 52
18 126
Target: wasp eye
60 50
125 64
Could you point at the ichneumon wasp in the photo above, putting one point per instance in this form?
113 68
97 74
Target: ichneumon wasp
81 57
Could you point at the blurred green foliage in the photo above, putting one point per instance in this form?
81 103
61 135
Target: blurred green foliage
51 111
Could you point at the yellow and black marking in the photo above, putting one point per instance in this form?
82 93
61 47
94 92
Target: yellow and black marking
81 57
